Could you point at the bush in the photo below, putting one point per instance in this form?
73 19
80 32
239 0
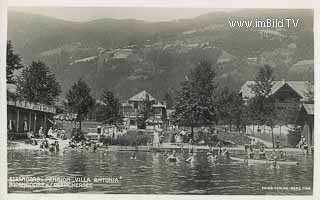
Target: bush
131 139
78 135
294 136
106 140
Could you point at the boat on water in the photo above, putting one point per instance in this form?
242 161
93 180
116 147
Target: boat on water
257 161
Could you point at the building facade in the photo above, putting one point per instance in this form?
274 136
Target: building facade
133 111
24 117
306 121
287 94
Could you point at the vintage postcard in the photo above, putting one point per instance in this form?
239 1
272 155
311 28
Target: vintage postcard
166 101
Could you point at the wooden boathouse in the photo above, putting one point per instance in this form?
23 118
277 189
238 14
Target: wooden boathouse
24 117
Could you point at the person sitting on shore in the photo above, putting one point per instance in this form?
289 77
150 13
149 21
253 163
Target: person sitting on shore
50 133
246 147
30 137
172 157
262 154
251 154
273 156
57 145
191 159
282 156
94 148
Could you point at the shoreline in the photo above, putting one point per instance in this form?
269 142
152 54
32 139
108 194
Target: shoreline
165 147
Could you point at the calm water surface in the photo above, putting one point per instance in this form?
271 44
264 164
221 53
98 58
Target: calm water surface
150 174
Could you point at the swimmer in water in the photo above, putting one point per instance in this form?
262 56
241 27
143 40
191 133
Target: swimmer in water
226 154
210 157
191 158
172 157
133 156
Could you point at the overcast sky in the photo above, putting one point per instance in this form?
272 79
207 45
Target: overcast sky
87 14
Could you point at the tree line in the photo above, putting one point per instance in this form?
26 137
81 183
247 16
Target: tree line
201 101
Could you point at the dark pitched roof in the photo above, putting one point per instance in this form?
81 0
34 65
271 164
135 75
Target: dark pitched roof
300 87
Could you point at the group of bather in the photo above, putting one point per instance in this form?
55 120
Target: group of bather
53 146
261 155
83 144
211 157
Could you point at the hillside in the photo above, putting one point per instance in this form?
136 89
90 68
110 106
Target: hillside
127 56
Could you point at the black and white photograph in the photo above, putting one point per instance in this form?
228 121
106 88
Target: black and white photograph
160 100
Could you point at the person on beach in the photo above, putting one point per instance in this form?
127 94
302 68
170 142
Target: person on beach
251 154
172 157
156 139
262 153
41 134
273 156
94 148
246 147
282 156
50 133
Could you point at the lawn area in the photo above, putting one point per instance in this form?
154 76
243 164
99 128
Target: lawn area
236 137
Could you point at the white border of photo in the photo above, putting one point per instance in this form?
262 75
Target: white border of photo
286 4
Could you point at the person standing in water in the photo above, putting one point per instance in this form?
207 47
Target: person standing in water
41 134
262 153
191 159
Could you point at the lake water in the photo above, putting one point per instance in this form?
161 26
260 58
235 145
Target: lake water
151 174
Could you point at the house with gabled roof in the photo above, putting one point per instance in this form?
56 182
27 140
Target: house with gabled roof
138 99
132 110
286 93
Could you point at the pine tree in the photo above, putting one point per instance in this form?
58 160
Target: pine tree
13 63
263 102
168 99
79 100
229 107
194 104
38 84
109 111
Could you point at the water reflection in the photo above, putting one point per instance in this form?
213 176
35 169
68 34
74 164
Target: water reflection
151 174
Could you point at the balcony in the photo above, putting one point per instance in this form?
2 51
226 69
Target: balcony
32 106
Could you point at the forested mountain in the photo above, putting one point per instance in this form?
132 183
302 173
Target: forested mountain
127 56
